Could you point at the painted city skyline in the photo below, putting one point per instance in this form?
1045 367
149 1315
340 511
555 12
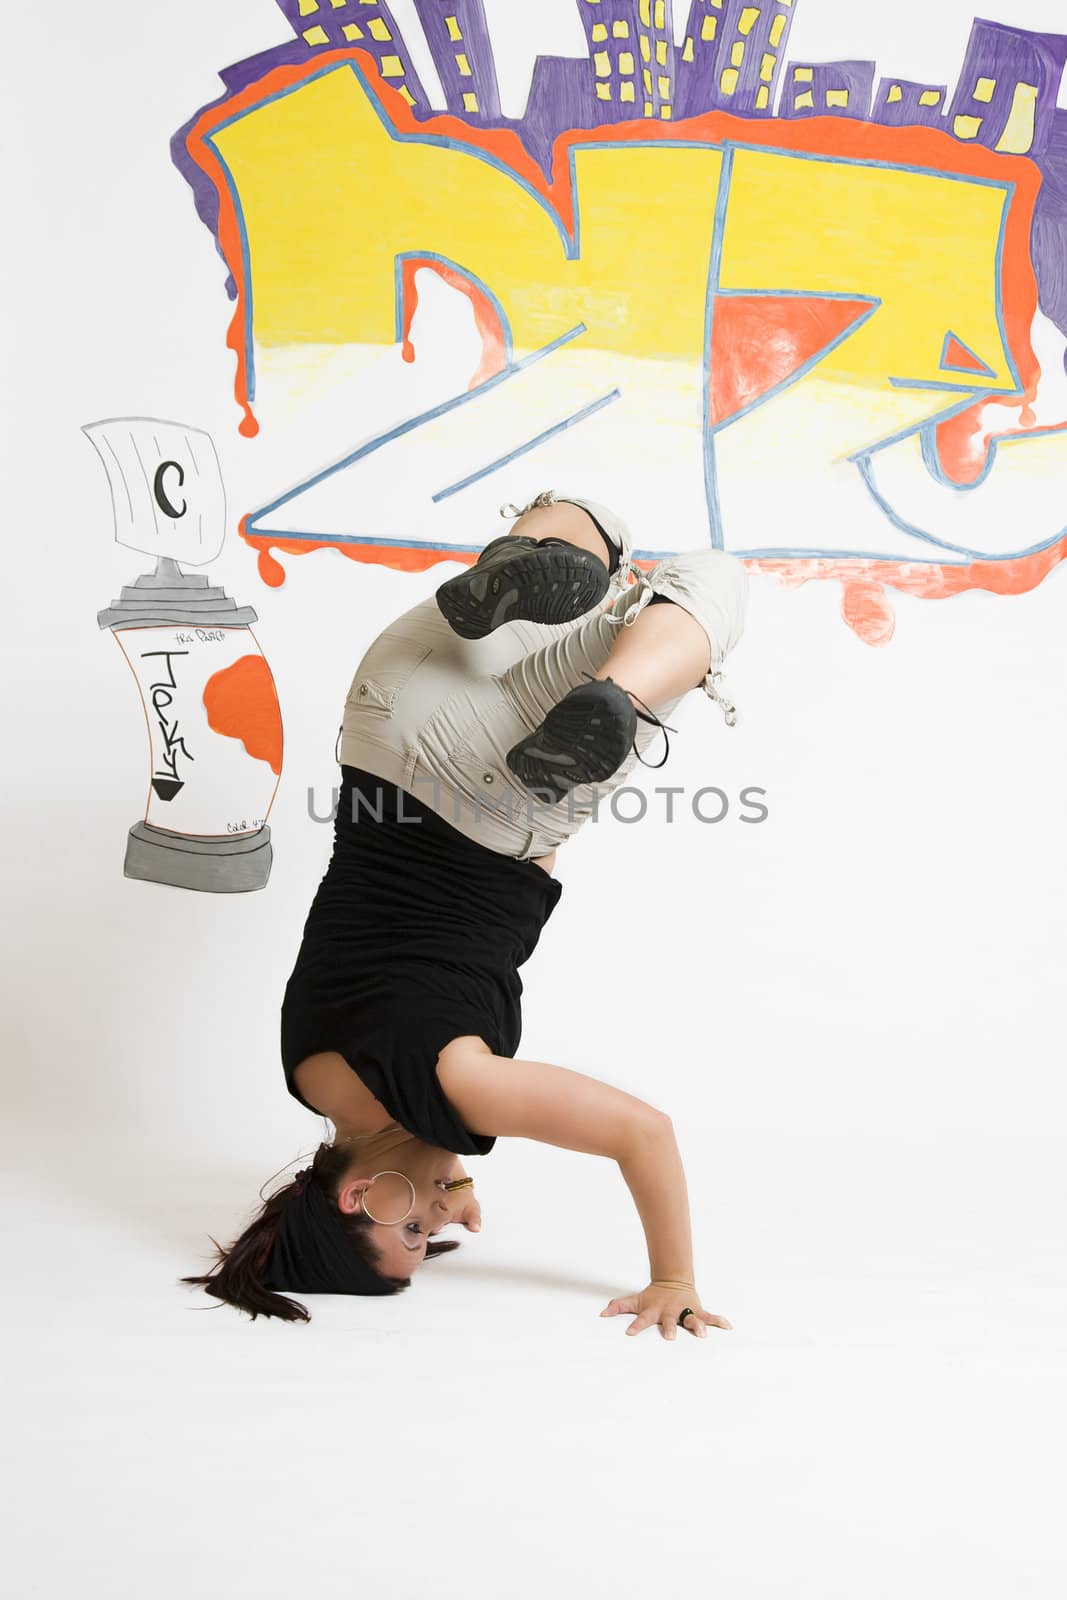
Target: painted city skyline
731 57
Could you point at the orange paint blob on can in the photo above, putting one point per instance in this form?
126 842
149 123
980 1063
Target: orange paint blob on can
241 702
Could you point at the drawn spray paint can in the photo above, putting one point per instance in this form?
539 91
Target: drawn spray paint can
212 713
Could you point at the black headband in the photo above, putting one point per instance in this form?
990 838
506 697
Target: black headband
313 1254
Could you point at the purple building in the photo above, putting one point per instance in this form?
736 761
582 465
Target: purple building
1048 245
731 56
458 36
631 45
561 99
366 24
901 103
828 89
1006 97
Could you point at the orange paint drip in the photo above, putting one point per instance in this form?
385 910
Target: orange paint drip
242 703
868 611
486 317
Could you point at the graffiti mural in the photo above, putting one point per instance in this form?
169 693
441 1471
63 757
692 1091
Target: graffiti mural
210 704
768 284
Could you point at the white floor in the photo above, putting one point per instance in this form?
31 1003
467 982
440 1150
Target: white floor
886 1419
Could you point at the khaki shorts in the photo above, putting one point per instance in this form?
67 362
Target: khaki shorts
437 714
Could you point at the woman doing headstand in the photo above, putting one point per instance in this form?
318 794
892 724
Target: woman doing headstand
481 730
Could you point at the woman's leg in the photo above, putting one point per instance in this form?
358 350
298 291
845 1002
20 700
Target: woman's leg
665 653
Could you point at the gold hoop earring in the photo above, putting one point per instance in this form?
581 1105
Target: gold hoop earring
389 1174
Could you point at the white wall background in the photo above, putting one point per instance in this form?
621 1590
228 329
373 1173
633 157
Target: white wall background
853 1013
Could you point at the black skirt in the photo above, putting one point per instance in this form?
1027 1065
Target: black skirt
414 938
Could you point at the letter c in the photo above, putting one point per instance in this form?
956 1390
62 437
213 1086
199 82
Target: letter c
159 490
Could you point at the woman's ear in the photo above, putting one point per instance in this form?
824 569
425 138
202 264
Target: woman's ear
350 1196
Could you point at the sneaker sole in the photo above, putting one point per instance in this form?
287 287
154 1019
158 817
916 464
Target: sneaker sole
552 587
586 743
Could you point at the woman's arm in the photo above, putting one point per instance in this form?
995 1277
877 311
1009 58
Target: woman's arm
532 1100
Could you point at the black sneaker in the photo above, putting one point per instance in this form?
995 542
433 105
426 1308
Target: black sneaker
584 739
517 579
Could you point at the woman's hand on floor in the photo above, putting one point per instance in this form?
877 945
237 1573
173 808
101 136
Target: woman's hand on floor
660 1306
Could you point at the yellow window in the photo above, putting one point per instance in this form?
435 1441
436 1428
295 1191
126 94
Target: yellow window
648 81
929 97
603 91
646 13
803 74
985 90
646 48
709 27
895 93
737 53
767 66
664 86
763 98
688 52
1019 130
620 30
748 19
308 7
728 81
352 31
407 94
338 5
804 102
379 30
648 108
464 67
316 36
661 14
626 92
967 127
470 102
455 32
600 32
392 67
665 113
837 98
778 30
626 63
661 52
602 64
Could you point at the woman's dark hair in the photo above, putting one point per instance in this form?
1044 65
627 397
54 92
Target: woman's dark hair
235 1277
